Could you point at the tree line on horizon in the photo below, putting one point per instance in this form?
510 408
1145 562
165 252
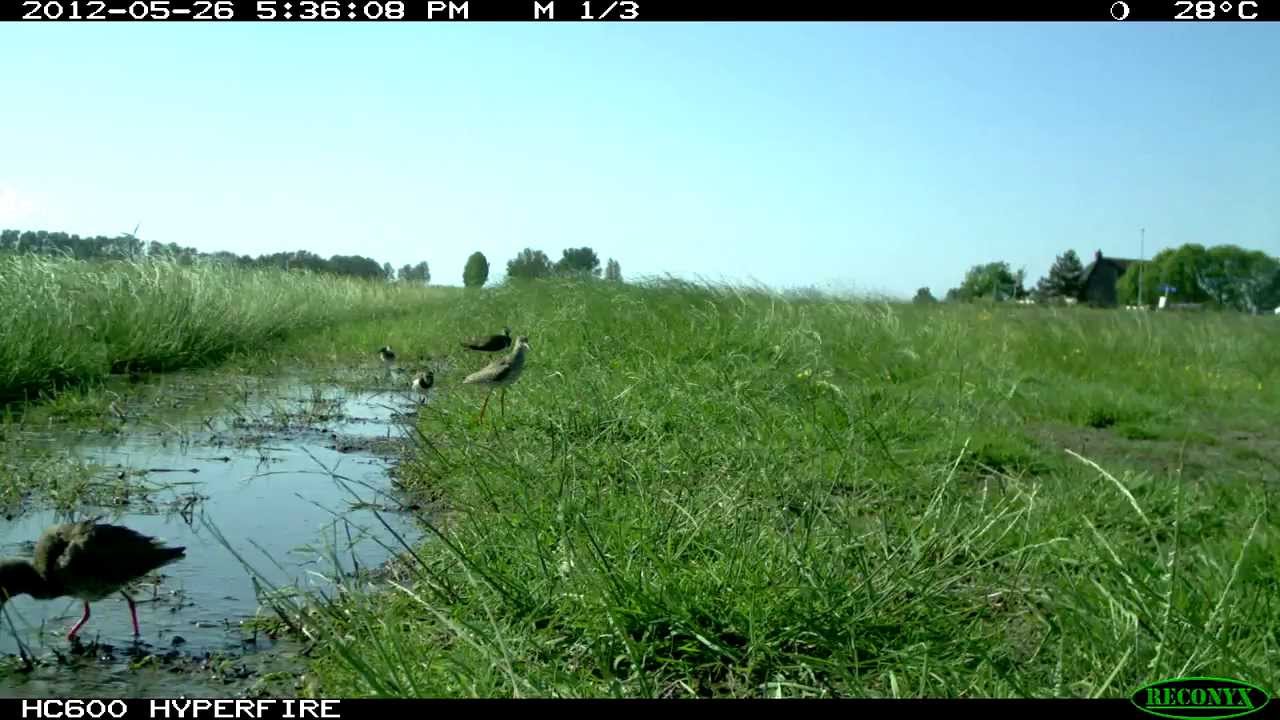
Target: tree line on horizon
126 245
1222 276
529 264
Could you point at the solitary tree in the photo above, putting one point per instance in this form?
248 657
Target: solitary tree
1064 278
1020 284
613 271
579 261
416 273
994 280
530 264
476 273
1244 280
924 297
1172 272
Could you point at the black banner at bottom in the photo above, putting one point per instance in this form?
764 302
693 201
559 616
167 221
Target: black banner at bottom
334 709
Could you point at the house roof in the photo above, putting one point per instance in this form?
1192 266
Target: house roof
1120 264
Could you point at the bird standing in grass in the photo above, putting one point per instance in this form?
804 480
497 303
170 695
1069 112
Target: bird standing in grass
88 561
499 374
422 382
388 357
489 343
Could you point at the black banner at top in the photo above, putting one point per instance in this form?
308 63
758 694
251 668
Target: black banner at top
299 709
327 11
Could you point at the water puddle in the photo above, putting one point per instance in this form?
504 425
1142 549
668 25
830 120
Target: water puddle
289 476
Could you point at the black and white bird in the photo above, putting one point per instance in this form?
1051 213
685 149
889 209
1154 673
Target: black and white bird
422 382
489 343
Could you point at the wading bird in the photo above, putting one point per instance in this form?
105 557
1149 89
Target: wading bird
388 357
87 561
422 382
499 374
489 343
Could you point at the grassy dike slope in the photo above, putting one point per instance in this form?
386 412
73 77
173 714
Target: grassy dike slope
67 323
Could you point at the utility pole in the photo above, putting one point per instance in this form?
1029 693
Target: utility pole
1142 260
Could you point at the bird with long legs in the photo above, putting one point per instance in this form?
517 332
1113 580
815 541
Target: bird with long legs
500 374
88 561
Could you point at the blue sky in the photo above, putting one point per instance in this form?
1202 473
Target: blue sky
864 157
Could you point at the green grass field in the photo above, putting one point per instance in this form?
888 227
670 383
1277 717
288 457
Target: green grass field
699 491
705 492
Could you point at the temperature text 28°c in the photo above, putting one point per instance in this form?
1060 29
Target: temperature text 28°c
1213 9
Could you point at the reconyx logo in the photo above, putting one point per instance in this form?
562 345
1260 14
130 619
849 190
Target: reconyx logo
1200 698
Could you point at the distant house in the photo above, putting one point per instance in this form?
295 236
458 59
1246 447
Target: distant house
1098 286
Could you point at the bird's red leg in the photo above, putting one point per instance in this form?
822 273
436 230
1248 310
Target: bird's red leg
80 624
133 612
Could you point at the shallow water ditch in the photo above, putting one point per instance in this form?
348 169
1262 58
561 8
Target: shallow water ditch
289 474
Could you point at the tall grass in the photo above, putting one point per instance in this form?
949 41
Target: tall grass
65 322
708 492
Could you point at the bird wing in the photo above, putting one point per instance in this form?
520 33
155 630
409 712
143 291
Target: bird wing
102 558
50 552
487 342
495 371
